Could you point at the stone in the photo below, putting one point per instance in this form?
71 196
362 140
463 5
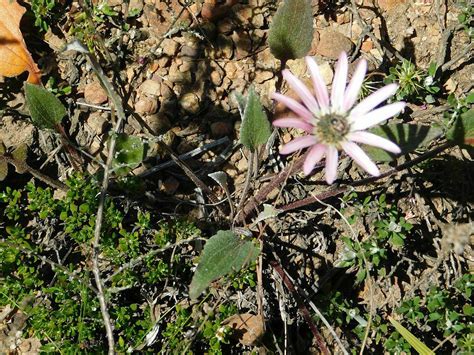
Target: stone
158 122
190 102
242 164
262 76
230 170
189 51
450 85
258 21
155 22
150 87
146 105
230 70
297 67
14 132
97 122
287 137
242 43
95 94
343 18
176 76
332 43
113 3
326 72
169 46
216 76
388 5
225 26
166 91
266 59
314 44
224 47
221 129
170 185
243 13
367 46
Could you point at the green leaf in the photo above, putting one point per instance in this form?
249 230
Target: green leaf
397 241
291 30
45 109
470 98
223 253
462 132
129 153
255 129
421 348
432 69
407 136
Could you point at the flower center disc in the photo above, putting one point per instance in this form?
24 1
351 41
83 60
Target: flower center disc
331 129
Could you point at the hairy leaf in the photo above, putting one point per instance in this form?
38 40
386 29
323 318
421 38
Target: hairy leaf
14 56
45 109
223 253
462 132
255 129
407 136
291 30
129 153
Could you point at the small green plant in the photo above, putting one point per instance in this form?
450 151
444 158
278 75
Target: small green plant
45 12
465 18
47 261
390 230
457 106
444 312
88 22
414 84
58 89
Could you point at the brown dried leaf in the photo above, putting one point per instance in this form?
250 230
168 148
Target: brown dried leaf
14 56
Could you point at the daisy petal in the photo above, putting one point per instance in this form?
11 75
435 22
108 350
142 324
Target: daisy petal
339 82
320 88
362 159
332 157
297 144
376 116
293 123
374 140
374 99
352 90
294 106
302 91
315 154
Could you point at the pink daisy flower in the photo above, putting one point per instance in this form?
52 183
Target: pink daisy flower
334 123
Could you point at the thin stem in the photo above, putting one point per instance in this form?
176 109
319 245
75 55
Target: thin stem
265 191
339 190
117 105
302 308
22 166
248 178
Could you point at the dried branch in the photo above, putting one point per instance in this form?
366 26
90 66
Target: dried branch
339 190
118 107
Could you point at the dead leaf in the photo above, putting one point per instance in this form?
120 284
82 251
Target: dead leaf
247 328
14 56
